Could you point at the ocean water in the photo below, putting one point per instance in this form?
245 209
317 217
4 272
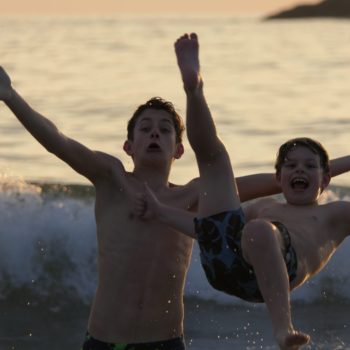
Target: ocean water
265 82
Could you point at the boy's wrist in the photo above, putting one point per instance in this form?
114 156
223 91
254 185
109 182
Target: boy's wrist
9 95
161 213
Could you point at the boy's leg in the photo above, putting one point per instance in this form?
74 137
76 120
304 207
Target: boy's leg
262 247
218 191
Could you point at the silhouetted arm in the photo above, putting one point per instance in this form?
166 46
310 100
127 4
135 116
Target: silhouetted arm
83 160
265 184
340 165
256 186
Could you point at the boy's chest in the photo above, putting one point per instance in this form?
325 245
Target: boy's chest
299 220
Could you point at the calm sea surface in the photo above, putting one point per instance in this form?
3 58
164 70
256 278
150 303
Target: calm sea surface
265 82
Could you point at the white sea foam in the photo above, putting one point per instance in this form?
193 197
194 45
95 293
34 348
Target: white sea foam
47 242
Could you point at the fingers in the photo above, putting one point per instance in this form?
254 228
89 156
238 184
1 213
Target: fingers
143 203
146 204
140 205
148 192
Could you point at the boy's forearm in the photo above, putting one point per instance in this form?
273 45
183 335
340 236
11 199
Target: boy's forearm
340 165
257 186
265 184
178 219
40 127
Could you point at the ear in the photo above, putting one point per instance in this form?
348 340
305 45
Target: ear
127 148
278 178
325 181
179 151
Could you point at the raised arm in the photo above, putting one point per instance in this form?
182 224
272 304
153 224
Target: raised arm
83 160
265 184
340 165
257 186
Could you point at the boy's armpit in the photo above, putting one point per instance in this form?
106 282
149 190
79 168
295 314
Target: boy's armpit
339 215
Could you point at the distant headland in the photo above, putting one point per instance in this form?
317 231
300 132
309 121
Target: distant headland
326 8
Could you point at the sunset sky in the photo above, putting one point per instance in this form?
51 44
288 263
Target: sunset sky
145 6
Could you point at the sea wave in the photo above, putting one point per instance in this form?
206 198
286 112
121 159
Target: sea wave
48 247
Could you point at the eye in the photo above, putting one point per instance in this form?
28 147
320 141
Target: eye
165 130
145 128
289 165
311 166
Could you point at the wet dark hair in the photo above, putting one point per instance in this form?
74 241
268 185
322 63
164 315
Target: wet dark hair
159 104
314 146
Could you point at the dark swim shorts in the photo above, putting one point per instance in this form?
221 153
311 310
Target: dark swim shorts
219 238
172 344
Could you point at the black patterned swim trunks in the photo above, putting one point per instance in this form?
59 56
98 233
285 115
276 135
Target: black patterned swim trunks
219 239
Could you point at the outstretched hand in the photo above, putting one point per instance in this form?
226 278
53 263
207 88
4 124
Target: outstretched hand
5 85
146 204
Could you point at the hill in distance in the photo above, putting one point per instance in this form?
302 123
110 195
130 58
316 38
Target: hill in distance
326 8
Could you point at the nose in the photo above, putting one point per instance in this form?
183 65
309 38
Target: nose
300 168
155 134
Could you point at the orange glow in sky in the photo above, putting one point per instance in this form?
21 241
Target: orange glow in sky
145 6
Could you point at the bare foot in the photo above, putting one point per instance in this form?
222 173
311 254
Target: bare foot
187 49
293 340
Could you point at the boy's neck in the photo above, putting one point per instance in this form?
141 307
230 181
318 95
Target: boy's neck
154 176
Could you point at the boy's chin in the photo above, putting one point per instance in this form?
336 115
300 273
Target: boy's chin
308 196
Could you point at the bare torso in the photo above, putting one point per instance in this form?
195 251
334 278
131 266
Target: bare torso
315 231
141 265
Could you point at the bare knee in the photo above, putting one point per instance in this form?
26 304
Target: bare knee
258 237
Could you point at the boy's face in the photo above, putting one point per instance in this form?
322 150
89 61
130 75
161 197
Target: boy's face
302 178
154 139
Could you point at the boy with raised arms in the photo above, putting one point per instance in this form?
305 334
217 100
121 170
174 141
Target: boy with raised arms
262 252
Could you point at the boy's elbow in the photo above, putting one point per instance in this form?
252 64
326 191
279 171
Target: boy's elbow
57 145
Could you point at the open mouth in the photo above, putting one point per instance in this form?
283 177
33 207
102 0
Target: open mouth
153 147
299 183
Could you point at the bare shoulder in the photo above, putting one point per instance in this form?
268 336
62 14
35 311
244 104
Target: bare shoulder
114 168
113 161
192 185
185 196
